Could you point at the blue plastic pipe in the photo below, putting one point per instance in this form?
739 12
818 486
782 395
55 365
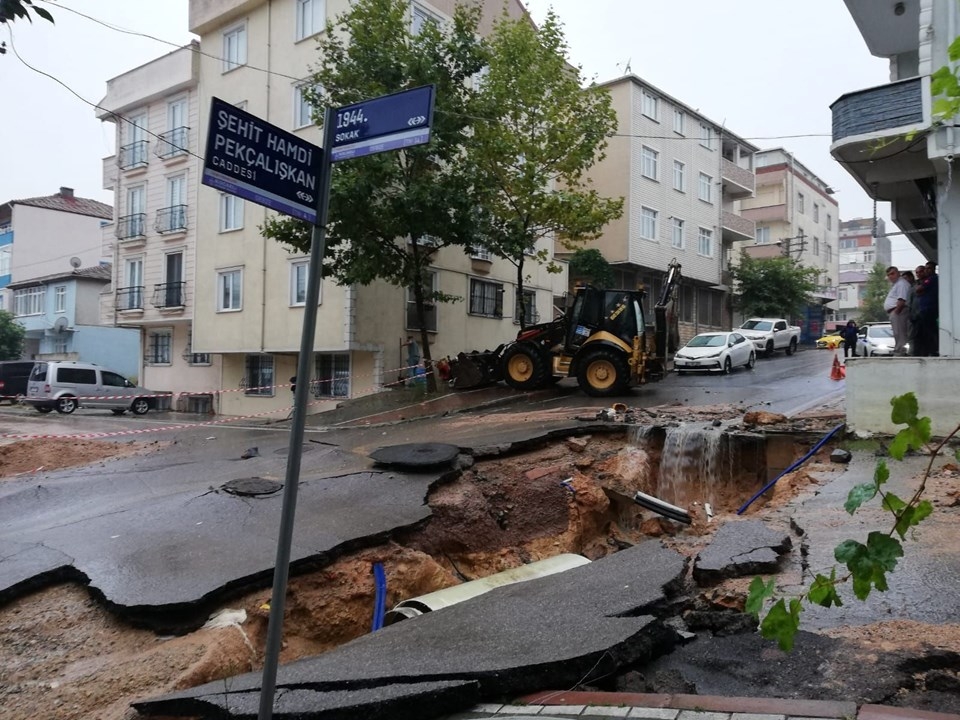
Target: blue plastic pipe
380 600
790 469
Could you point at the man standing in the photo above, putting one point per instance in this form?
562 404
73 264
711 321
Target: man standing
928 311
896 307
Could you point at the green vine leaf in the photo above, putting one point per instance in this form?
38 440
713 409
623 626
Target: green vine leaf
954 50
781 624
893 503
869 564
823 591
759 591
905 409
859 495
912 516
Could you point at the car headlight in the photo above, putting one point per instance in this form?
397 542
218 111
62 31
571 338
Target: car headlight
713 356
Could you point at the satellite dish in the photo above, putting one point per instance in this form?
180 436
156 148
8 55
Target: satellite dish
75 262
60 325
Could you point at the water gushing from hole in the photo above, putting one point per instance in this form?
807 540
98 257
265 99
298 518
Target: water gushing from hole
690 464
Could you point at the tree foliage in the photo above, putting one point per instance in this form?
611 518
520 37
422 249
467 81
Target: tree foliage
11 337
11 10
390 212
945 87
874 293
589 265
544 132
867 563
773 287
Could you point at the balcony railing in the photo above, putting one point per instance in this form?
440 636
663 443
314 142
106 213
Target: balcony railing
171 219
169 295
738 182
133 155
131 226
736 227
130 298
173 143
887 107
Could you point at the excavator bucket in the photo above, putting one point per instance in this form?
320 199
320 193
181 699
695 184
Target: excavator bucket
475 369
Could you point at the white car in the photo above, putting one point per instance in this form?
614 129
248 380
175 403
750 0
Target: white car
876 339
715 351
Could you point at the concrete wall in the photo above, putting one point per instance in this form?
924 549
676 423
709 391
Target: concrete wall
116 349
872 382
44 241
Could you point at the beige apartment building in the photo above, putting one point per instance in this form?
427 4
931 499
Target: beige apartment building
250 291
152 240
683 178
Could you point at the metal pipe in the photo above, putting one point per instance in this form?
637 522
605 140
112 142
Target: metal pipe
458 593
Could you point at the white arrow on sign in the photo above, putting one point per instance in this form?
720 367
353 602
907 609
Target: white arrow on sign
414 121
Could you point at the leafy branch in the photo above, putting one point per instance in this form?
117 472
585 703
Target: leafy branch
867 564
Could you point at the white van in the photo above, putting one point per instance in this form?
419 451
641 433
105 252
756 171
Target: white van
65 386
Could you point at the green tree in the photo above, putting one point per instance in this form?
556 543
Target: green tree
874 293
590 265
389 213
11 10
773 287
11 337
543 132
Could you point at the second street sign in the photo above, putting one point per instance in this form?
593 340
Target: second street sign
251 158
389 122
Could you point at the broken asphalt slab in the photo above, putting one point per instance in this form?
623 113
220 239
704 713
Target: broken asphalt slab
738 549
553 631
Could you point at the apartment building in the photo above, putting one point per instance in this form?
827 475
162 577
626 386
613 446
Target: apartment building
682 177
797 216
916 169
251 291
863 244
153 237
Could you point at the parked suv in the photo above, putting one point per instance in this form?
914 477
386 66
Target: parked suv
13 379
65 386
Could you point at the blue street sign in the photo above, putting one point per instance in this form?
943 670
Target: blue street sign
251 158
389 122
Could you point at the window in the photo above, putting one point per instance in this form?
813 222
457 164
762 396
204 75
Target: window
648 223
131 296
191 357
258 375
429 287
159 343
679 120
801 204
816 213
29 301
134 153
763 235
706 136
829 221
705 242
486 298
234 48
676 237
650 105
479 252
679 176
5 254
706 188
333 375
112 379
311 15
848 243
842 294
816 245
869 256
60 299
175 140
528 302
229 290
173 217
828 249
302 109
231 213
298 282
76 376
421 16
649 159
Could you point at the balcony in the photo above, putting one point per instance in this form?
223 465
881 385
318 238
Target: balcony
169 295
131 227
110 172
133 156
171 219
737 228
173 143
895 106
130 298
737 182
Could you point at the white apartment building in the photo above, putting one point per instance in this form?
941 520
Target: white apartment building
250 291
682 177
863 244
153 239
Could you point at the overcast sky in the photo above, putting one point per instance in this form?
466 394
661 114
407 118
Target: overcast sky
766 69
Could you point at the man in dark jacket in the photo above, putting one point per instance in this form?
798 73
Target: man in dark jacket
850 335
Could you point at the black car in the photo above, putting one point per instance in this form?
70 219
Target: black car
13 379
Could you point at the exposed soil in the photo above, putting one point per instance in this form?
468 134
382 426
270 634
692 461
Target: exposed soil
65 657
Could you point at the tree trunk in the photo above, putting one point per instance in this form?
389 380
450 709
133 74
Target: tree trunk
422 321
521 306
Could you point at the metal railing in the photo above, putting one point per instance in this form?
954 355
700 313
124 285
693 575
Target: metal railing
131 226
133 155
173 143
171 219
168 295
130 298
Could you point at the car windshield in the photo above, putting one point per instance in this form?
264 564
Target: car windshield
757 325
881 331
708 341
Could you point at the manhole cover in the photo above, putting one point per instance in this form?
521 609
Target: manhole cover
252 486
416 454
285 450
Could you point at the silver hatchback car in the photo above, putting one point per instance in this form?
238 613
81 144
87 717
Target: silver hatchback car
65 386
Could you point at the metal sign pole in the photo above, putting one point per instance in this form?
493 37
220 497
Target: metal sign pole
281 571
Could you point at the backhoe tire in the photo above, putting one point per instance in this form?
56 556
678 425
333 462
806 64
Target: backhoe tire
524 367
603 373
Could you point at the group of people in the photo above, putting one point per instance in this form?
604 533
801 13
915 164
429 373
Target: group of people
913 307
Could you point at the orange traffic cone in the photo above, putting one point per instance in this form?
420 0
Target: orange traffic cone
837 372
